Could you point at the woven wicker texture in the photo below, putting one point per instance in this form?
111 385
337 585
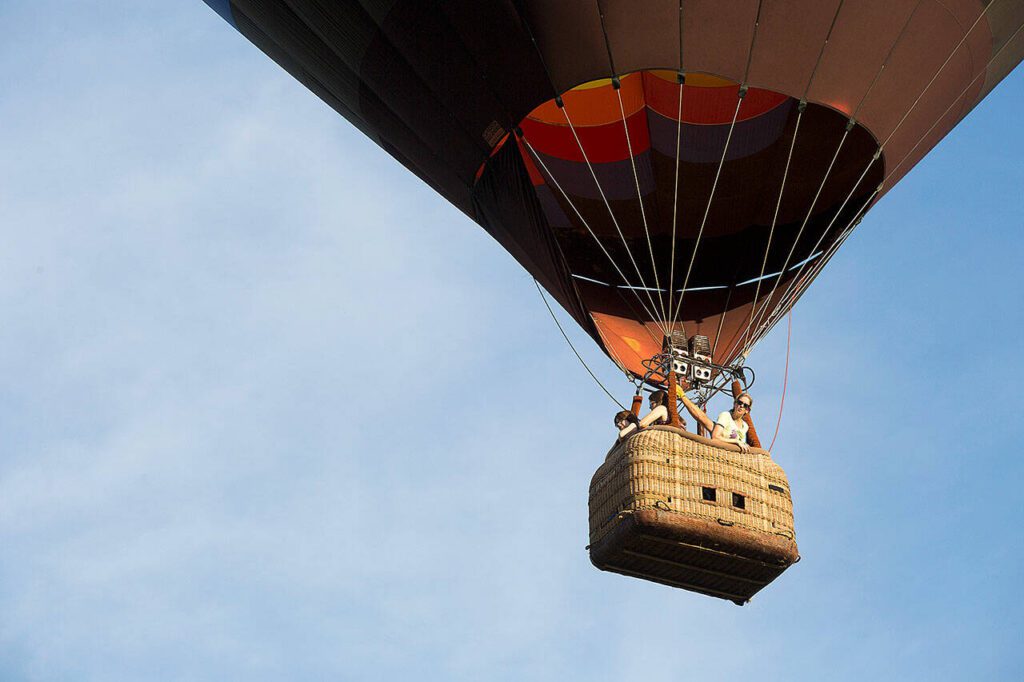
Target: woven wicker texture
729 512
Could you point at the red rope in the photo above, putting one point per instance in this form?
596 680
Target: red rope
785 377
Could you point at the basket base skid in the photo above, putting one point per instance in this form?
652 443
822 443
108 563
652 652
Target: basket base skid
693 554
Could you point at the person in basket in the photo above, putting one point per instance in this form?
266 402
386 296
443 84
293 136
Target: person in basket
731 427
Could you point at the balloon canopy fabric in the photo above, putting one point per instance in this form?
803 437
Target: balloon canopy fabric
653 164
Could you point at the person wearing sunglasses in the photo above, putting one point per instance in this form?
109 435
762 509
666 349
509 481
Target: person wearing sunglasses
731 427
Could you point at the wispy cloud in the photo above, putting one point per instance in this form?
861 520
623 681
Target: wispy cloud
272 409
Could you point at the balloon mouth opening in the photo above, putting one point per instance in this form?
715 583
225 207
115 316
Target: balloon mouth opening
689 198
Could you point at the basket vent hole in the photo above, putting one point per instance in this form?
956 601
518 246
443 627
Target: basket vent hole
778 489
708 494
739 501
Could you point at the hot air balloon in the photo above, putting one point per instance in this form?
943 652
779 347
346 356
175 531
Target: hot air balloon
675 173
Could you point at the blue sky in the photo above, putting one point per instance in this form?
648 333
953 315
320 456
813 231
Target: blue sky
235 444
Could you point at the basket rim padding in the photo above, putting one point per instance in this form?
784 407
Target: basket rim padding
730 447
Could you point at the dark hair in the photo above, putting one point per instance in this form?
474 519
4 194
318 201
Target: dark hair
660 397
624 414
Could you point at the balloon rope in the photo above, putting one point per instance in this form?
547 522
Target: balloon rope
764 312
566 337
782 189
721 318
814 250
747 341
547 72
785 380
640 199
810 210
681 77
941 68
707 208
611 213
753 41
771 231
547 172
899 37
885 62
732 126
822 262
790 297
675 193
785 174
953 103
821 52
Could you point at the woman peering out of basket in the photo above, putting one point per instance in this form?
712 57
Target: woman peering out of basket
627 423
658 415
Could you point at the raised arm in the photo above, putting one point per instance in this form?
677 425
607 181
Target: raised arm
698 414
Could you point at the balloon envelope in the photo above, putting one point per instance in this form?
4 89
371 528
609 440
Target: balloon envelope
693 162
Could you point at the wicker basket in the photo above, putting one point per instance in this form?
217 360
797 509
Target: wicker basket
673 507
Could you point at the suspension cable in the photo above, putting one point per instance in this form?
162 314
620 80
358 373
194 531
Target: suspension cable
903 30
953 103
721 318
578 356
775 218
763 313
611 213
810 212
617 86
615 356
789 158
675 194
940 70
788 299
790 296
707 208
888 56
547 172
681 78
786 304
732 126
822 261
821 51
637 318
785 382
639 196
547 72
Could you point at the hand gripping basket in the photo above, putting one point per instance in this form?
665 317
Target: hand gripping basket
673 507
